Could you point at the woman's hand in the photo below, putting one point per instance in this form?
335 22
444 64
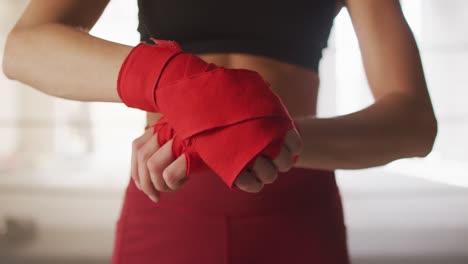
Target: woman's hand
154 168
149 163
265 170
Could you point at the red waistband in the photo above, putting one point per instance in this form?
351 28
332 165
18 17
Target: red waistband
295 191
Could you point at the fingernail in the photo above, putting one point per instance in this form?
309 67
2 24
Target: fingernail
294 159
153 198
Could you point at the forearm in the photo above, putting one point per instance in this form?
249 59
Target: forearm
394 127
65 62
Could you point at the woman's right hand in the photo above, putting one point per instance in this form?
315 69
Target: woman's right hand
153 167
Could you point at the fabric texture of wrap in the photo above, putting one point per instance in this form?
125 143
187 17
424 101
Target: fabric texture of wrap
221 117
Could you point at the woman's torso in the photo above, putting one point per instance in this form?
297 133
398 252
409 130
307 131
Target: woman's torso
298 218
294 79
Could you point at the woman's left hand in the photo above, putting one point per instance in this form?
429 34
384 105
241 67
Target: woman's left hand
265 170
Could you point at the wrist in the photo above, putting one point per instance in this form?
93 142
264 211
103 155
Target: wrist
140 73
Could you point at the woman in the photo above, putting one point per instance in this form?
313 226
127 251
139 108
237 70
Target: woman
279 212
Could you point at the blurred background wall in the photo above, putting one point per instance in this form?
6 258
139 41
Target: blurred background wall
60 190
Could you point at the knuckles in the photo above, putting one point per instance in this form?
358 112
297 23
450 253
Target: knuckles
154 167
146 187
170 179
136 145
141 155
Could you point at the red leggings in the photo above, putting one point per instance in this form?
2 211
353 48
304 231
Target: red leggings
297 219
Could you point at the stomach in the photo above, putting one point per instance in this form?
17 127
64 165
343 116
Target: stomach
295 85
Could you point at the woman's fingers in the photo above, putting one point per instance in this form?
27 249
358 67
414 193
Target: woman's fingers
284 161
264 170
247 182
137 144
156 165
289 152
293 141
174 174
143 155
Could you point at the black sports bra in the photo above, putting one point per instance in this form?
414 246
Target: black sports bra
293 31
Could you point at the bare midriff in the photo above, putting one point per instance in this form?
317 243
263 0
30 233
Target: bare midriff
296 86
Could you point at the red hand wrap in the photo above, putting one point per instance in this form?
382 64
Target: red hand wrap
140 73
225 116
179 146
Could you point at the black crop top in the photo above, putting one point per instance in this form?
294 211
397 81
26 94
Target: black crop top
293 31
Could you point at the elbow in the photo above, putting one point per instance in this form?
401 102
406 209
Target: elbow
428 134
9 61
7 66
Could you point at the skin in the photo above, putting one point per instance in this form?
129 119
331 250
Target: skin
399 124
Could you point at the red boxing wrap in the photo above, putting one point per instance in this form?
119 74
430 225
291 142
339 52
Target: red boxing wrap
221 117
179 146
140 73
